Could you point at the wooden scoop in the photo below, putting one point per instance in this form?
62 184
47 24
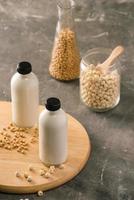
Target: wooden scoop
113 56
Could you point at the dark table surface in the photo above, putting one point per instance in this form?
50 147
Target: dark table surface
27 29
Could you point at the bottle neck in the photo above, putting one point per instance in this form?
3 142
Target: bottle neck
65 13
53 112
25 75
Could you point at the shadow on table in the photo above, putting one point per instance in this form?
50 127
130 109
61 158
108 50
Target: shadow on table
124 110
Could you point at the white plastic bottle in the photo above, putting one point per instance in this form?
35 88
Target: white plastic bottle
53 133
24 96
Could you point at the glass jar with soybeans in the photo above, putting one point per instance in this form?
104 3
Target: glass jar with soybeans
100 78
65 60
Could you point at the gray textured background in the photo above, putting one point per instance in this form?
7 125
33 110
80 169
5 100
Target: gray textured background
27 29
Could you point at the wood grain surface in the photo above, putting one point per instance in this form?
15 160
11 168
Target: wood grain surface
12 161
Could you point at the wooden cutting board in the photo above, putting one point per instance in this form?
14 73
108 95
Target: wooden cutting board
12 161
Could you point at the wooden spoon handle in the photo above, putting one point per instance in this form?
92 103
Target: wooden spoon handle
113 56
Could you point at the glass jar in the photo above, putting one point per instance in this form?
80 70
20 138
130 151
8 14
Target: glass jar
65 61
99 90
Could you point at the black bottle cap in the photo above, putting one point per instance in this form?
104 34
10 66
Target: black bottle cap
24 67
53 104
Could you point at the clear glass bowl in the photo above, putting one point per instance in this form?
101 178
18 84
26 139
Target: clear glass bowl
99 90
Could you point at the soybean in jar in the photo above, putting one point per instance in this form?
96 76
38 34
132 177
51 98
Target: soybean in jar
98 90
65 60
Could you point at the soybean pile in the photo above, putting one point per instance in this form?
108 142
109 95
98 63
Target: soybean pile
65 62
99 90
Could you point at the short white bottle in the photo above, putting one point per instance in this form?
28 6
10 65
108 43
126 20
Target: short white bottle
24 96
53 133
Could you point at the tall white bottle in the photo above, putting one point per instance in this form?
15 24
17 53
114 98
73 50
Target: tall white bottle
25 96
53 133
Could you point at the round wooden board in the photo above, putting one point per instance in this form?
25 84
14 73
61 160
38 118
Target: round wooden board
12 161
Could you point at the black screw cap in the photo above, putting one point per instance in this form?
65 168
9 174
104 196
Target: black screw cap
53 104
24 67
